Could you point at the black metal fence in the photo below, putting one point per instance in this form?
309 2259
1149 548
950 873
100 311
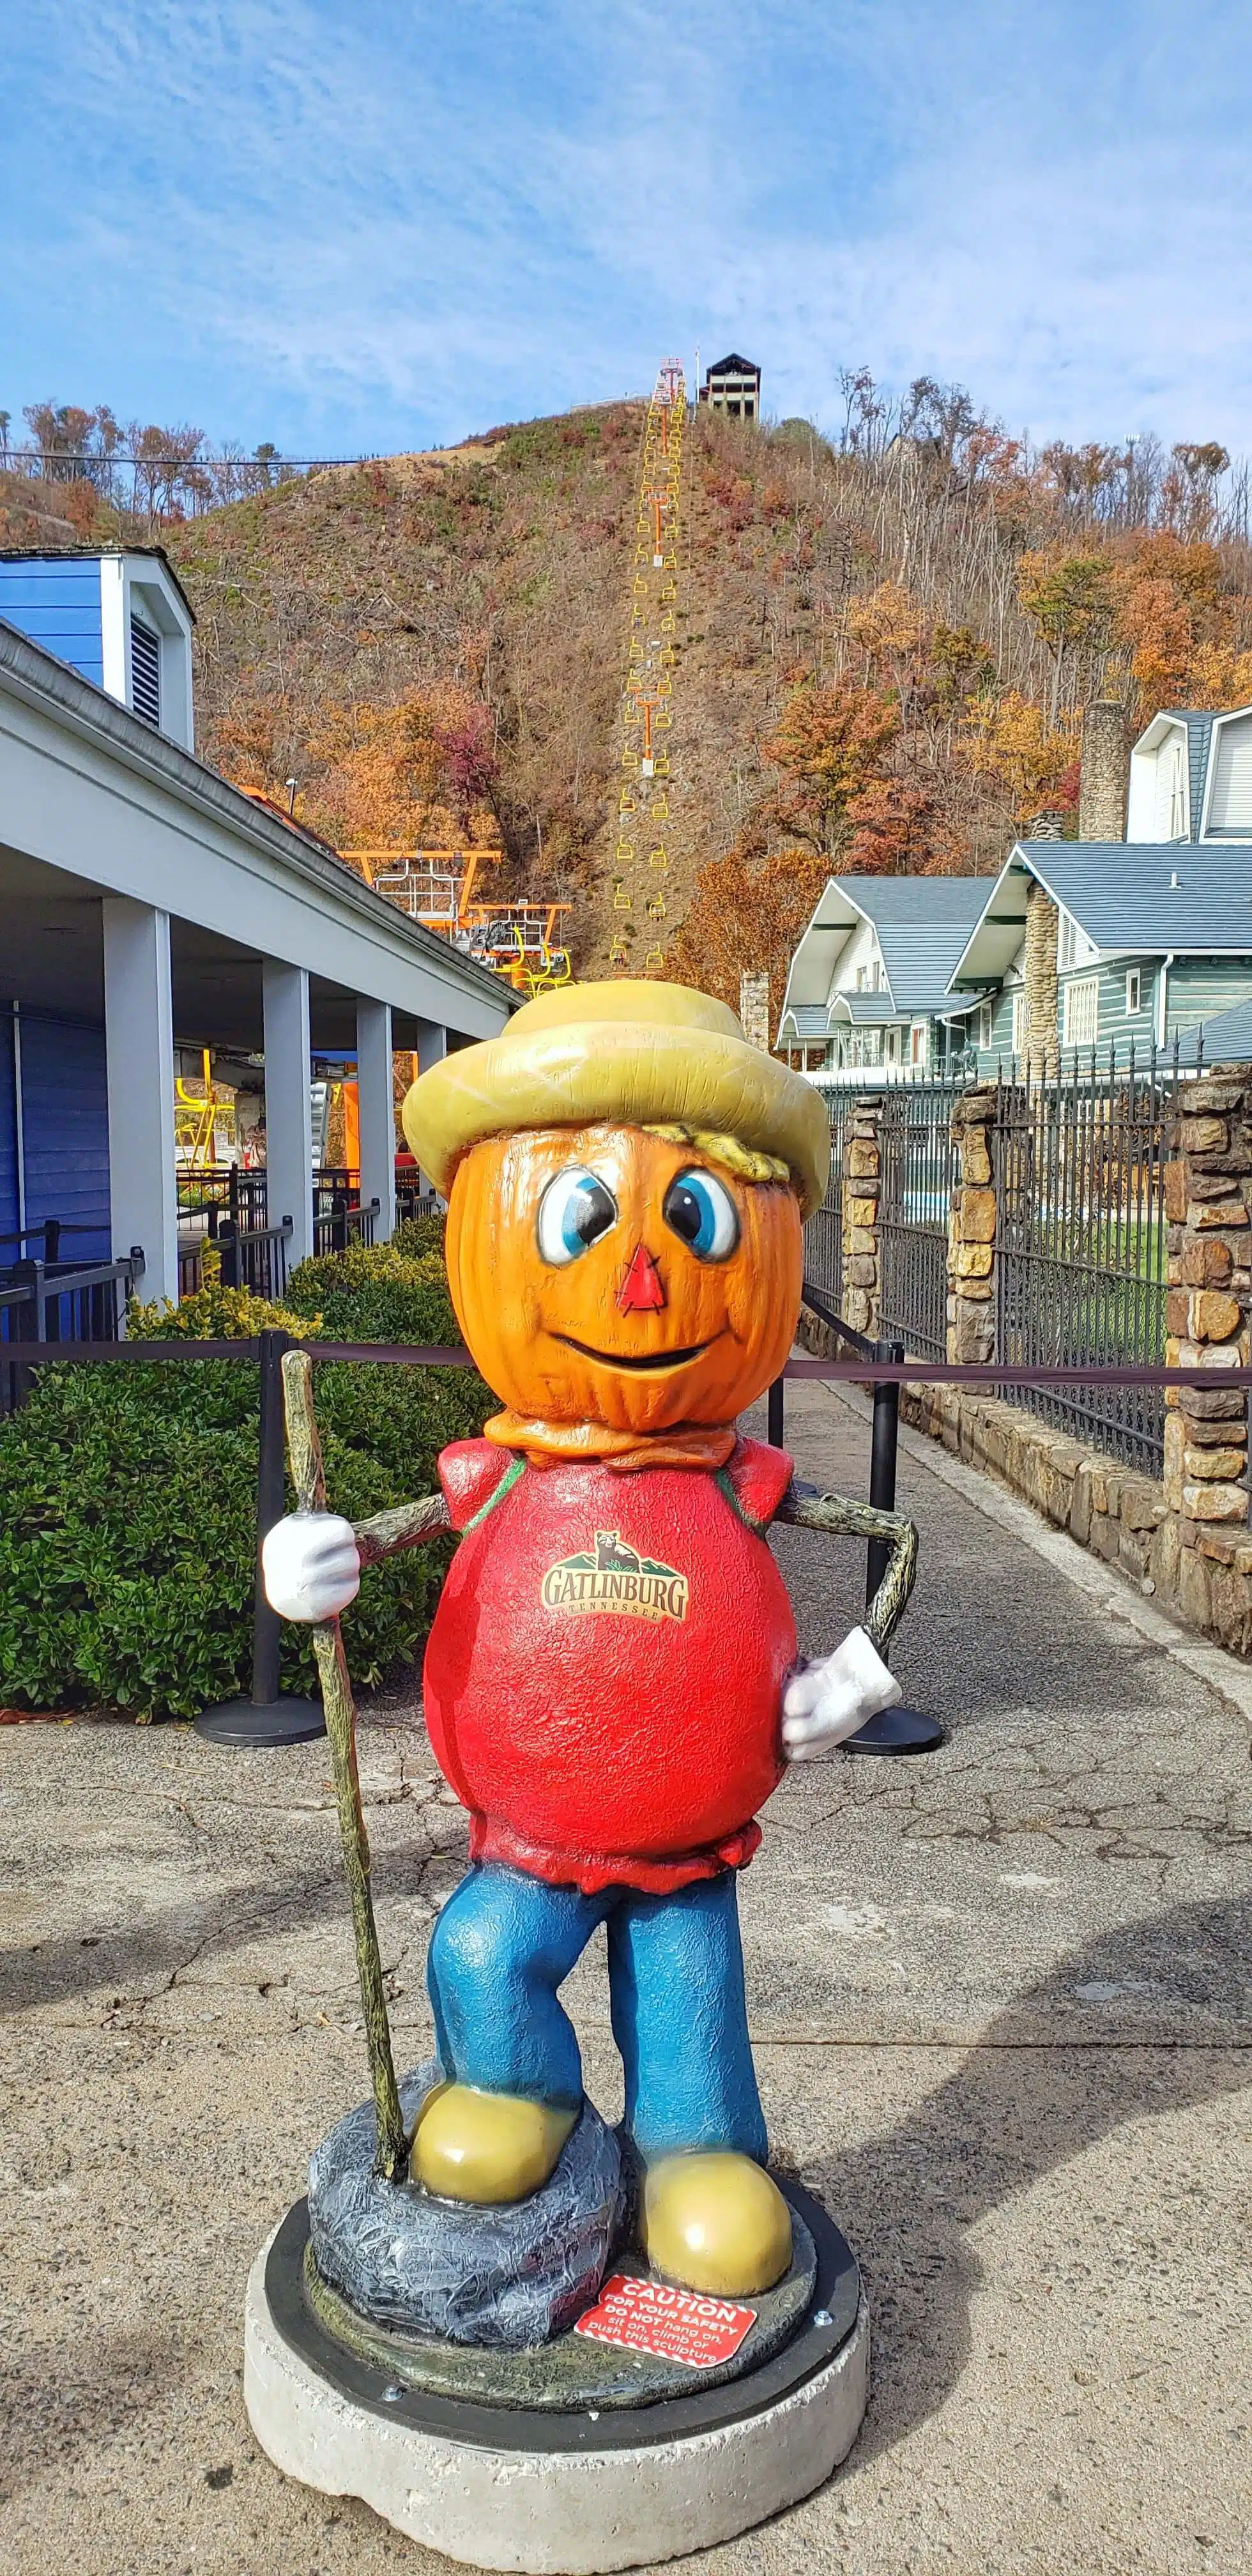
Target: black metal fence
61 1302
1078 1169
823 1235
1080 1271
918 1171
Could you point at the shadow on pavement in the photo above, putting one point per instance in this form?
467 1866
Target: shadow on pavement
1009 2115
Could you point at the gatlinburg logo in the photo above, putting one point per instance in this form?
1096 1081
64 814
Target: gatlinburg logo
615 1577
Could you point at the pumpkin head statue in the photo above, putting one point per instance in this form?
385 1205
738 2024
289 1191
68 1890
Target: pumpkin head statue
611 1683
627 1181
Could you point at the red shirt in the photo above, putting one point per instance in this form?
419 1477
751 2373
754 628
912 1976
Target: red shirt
604 1675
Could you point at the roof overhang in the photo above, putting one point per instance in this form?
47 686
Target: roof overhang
1000 928
812 970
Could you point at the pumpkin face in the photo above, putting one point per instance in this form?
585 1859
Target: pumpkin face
603 1274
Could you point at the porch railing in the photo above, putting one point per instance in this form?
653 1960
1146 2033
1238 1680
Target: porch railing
54 1302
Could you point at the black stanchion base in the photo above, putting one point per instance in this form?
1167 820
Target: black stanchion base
897 1730
284 1721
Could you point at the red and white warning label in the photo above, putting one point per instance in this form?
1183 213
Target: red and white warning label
647 2316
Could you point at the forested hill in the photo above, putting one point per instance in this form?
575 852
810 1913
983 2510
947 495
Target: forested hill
881 649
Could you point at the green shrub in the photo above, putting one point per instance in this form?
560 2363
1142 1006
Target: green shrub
216 1314
128 1496
376 1294
416 1235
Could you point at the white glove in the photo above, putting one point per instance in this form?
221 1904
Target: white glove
834 1698
310 1565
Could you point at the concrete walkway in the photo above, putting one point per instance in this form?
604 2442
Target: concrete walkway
1000 2002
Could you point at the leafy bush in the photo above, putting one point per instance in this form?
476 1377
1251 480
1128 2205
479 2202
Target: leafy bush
216 1314
376 1294
417 1235
128 1495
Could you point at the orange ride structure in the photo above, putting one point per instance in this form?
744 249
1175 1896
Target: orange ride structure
522 940
638 933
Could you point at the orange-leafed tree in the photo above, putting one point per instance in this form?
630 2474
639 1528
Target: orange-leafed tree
1010 739
828 745
746 917
898 829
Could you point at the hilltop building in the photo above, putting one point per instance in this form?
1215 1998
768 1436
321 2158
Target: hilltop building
733 386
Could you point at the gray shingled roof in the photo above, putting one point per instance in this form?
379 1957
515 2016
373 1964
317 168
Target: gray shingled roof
1227 1038
923 924
1123 895
863 1010
808 1019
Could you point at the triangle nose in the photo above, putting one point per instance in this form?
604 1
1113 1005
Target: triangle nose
641 1289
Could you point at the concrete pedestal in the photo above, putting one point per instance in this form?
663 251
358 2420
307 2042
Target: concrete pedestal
565 2494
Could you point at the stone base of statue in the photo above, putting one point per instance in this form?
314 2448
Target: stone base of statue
651 2422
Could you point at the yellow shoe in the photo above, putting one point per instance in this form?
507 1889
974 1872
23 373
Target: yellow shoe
715 2223
485 2146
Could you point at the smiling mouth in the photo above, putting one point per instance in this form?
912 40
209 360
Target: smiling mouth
645 1360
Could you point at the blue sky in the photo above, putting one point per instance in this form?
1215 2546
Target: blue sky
355 224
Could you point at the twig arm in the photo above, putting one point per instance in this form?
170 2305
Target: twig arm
839 1517
309 1478
385 1533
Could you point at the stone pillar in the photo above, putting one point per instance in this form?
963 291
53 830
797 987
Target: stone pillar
377 1113
1105 772
754 1010
862 1164
972 1230
139 1062
1039 977
1207 1192
288 1106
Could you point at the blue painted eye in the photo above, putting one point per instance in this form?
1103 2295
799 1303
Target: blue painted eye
575 1210
701 1212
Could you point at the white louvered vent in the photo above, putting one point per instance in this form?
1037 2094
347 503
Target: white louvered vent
145 672
1171 791
1230 806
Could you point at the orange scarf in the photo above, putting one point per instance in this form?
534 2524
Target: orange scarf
552 1444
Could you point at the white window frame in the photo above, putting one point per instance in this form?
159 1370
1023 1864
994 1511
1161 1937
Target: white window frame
1134 991
1019 1020
986 1024
1082 1000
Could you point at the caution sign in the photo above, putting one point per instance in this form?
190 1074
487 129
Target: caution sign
679 2325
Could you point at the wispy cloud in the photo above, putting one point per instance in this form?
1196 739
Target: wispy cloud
388 225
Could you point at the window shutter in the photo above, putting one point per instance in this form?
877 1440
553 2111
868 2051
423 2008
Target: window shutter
145 672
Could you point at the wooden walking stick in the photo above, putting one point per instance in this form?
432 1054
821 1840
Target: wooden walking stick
305 1451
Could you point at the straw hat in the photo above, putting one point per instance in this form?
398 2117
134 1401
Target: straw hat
636 1053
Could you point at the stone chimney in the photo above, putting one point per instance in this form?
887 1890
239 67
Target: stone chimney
1105 772
1045 827
1039 978
754 1009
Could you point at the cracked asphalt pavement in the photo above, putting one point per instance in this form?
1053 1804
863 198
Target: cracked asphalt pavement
1000 2002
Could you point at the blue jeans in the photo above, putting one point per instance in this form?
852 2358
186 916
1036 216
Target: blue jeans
505 1942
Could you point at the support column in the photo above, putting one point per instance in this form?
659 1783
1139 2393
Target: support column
432 1047
972 1230
1207 1188
377 1115
288 1108
861 1169
139 1059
